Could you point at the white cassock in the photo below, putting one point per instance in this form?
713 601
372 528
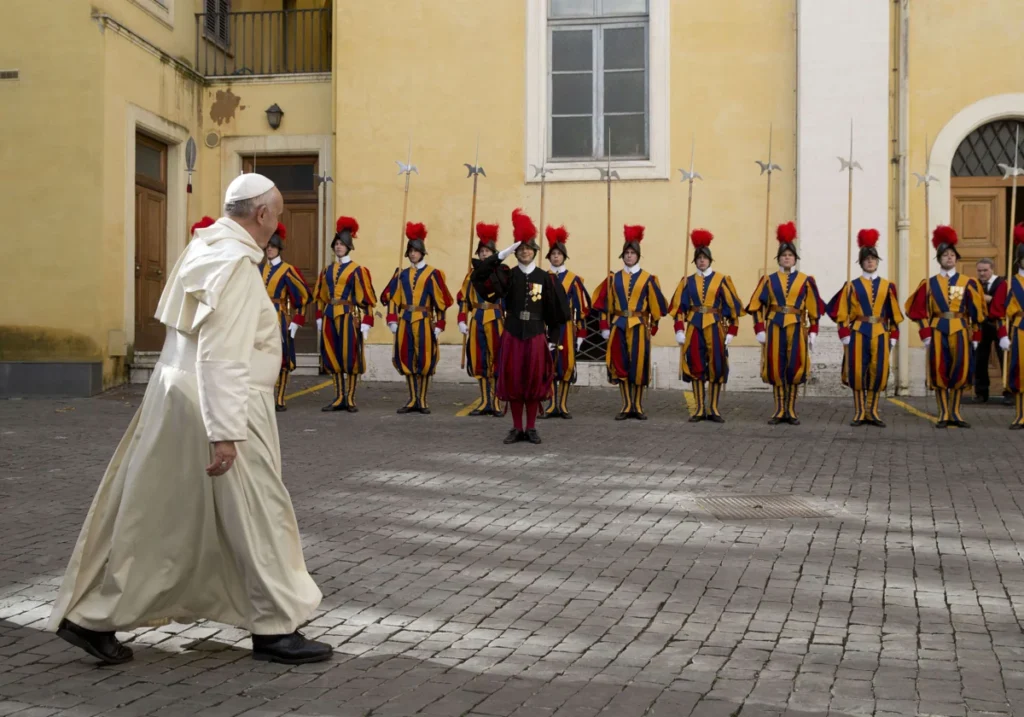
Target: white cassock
163 541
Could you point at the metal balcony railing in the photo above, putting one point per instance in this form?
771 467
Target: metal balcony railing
272 42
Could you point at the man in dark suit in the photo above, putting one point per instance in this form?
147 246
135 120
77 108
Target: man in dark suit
992 283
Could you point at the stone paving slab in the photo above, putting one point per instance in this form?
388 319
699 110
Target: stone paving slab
576 578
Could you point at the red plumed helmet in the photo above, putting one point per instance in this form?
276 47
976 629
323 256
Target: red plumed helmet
701 237
633 232
944 235
1018 234
867 237
487 233
281 231
556 235
202 224
347 223
523 228
786 233
414 231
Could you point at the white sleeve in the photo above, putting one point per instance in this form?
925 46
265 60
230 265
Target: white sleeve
226 341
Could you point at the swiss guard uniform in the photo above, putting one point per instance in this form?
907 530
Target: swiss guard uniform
949 307
482 323
537 308
786 308
345 299
706 308
1008 305
289 292
867 311
628 321
417 299
572 332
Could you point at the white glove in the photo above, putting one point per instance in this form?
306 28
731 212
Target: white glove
551 346
928 342
506 253
319 325
846 340
437 331
605 334
1004 343
810 341
680 337
579 342
974 345
728 339
761 337
463 328
394 327
892 342
293 328
365 328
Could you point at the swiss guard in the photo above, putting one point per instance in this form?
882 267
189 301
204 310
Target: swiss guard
1009 307
867 311
949 307
289 293
417 298
706 308
573 331
786 308
536 309
628 321
345 299
482 322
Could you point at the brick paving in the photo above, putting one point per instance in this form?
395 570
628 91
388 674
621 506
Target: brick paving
577 578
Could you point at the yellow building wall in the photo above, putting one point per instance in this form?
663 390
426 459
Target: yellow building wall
727 84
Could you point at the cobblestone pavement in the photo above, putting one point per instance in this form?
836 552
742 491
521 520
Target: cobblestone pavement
590 575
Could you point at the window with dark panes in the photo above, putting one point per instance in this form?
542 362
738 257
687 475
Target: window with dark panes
598 79
218 16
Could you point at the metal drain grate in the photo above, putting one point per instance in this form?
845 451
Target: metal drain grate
754 507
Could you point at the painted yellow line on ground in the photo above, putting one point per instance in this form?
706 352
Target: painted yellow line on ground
311 389
471 407
911 410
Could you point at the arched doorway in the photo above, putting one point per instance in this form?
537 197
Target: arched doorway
980 197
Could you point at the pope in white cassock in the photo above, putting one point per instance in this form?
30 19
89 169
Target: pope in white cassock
173 534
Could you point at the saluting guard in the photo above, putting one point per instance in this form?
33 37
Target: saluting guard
482 323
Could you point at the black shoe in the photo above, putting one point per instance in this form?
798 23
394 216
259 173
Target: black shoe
565 414
793 421
715 418
104 646
773 421
1016 426
639 416
424 410
622 416
532 436
981 398
941 424
478 412
293 649
1007 400
352 409
514 436
961 424
280 408
406 409
856 422
697 418
544 415
333 407
877 422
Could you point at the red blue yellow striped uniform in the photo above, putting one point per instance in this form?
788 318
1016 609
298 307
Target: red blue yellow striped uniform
868 311
564 354
951 318
708 308
485 322
289 292
345 300
631 316
1009 308
787 307
417 301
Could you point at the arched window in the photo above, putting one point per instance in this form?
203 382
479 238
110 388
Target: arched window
987 147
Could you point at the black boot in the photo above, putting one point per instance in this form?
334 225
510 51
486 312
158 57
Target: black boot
102 645
293 649
514 436
532 436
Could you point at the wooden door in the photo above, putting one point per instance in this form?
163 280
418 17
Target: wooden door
295 177
150 239
979 216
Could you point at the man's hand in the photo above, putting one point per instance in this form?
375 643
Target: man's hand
892 342
810 341
224 455
506 253
365 328
394 327
760 336
579 342
680 337
319 325
437 331
463 328
293 328
927 341
845 340
605 334
728 339
1004 343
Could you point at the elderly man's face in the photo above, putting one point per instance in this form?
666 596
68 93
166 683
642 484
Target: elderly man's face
984 272
267 217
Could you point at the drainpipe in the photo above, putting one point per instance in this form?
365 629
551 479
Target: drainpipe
903 196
